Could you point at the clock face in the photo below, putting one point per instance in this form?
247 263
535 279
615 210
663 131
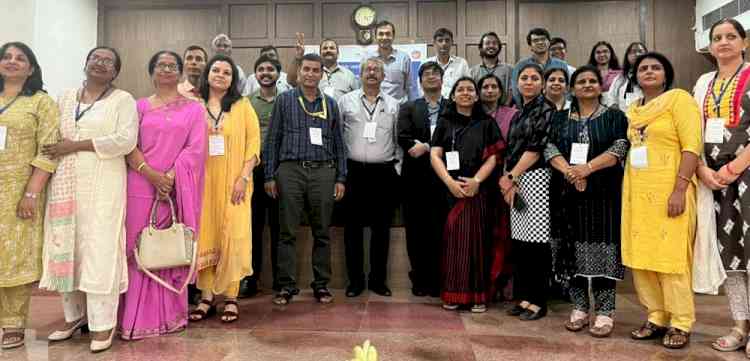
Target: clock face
364 16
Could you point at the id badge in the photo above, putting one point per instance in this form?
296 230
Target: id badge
715 130
316 136
579 153
639 157
370 128
453 161
215 145
3 136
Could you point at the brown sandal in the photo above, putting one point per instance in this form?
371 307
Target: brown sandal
648 331
199 315
228 316
683 338
8 335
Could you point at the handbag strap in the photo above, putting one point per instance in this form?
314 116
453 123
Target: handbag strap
152 218
161 281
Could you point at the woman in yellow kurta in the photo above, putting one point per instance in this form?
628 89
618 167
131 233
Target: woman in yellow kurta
29 119
224 243
658 207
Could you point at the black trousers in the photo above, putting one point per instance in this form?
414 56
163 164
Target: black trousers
369 202
260 204
425 211
532 273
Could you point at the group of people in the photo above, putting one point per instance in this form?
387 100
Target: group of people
539 171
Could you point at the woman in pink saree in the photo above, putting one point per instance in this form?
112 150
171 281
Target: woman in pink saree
169 161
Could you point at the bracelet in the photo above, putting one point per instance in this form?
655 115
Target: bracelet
686 179
476 179
245 178
140 166
590 167
729 169
30 195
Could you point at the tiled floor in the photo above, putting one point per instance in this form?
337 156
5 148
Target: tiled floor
402 327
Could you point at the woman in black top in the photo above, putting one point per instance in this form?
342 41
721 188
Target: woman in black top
525 188
464 151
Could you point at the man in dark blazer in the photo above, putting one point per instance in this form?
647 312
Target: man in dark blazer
424 198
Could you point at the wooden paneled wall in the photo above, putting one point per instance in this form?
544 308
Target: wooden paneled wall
139 28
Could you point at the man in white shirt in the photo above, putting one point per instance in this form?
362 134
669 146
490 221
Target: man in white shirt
222 45
251 85
454 67
369 118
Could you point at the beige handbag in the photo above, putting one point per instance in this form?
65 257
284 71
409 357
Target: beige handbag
172 247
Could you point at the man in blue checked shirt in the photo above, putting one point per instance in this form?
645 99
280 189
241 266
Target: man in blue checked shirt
305 168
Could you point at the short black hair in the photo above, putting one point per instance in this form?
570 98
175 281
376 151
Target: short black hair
491 33
117 64
233 94
587 68
736 24
155 58
196 47
534 66
500 86
665 63
558 40
269 48
550 71
385 23
34 82
265 59
430 65
328 39
312 57
442 32
537 32
614 63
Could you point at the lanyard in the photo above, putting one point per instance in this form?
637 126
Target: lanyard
3 109
215 118
370 112
321 114
79 114
583 123
722 89
457 133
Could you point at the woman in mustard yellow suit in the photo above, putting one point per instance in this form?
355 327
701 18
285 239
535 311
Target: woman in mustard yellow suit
224 243
659 204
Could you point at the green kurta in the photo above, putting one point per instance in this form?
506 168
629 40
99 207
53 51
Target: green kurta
31 122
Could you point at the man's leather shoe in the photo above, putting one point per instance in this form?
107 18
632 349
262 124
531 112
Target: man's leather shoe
354 290
529 315
418 292
248 287
381 289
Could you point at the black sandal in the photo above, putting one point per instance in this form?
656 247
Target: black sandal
199 315
673 333
648 331
323 295
228 316
283 297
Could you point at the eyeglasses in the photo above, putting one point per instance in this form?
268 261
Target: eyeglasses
101 61
166 67
539 40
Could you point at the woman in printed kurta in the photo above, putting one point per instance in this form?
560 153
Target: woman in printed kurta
658 201
29 119
722 95
169 161
525 188
84 238
234 147
585 201
466 134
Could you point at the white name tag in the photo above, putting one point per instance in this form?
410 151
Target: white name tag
715 130
639 157
370 128
215 145
3 136
629 99
579 153
316 136
453 161
432 129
